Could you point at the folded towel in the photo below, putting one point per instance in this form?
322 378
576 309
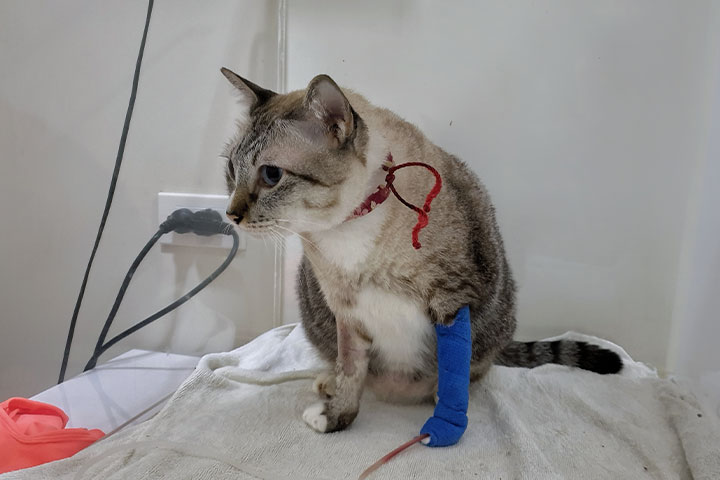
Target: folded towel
238 416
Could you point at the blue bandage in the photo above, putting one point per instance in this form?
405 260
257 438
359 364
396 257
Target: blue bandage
454 348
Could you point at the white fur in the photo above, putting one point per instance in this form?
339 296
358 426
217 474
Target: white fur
348 245
377 148
402 335
401 331
313 416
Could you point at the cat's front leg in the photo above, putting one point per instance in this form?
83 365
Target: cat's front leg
443 305
339 411
324 384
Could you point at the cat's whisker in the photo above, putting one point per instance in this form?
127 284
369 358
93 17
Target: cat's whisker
316 271
301 220
273 234
264 239
312 263
296 233
310 242
282 238
305 225
277 239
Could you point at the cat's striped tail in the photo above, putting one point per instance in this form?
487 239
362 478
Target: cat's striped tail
563 352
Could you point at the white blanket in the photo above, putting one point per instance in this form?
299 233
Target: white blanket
238 416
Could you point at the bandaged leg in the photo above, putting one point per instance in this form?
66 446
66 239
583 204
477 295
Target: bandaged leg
454 348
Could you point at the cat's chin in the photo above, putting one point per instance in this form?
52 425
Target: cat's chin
257 230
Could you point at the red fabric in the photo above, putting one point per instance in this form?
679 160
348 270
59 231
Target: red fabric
383 192
32 433
422 221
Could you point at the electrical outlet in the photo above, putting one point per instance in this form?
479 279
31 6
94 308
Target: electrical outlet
169 202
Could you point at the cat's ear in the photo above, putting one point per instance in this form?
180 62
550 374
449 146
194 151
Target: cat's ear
328 103
250 94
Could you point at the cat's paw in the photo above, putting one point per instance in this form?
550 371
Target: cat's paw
329 416
315 417
324 384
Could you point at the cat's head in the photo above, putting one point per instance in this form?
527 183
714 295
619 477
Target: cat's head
298 160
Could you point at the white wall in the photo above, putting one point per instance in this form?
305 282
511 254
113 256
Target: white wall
64 86
586 120
694 348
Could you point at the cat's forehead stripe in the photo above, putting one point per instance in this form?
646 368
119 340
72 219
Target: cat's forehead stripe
267 120
252 144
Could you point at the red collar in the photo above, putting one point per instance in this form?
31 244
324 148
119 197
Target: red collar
377 197
383 192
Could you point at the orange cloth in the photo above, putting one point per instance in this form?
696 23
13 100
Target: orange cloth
32 433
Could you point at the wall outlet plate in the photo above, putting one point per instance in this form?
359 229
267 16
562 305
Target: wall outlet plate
168 202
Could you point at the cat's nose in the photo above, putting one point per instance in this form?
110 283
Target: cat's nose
238 206
234 217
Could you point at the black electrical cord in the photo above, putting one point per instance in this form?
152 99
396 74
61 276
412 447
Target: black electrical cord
205 222
111 193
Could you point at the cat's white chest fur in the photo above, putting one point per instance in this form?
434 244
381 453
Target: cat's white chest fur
348 245
402 335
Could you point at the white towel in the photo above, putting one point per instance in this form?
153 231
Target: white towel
238 416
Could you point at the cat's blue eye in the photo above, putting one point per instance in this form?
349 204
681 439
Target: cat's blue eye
271 174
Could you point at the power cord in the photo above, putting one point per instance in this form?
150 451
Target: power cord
111 193
204 222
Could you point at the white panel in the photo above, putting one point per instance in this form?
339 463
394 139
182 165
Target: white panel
64 86
694 346
121 391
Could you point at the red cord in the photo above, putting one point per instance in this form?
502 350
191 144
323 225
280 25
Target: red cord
390 455
422 213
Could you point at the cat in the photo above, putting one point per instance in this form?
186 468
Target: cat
305 162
